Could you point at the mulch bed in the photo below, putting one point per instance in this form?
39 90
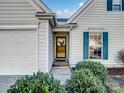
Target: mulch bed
116 71
117 81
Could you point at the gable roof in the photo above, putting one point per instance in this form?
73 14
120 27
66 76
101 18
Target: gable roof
80 10
40 6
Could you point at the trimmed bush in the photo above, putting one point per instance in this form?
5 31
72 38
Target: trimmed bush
37 83
97 68
84 81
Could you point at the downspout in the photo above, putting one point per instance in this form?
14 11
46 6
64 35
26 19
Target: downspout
71 28
70 57
38 69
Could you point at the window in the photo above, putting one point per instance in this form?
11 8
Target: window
95 45
117 5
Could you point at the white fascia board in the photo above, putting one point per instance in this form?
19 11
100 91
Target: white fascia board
44 6
35 5
18 27
41 5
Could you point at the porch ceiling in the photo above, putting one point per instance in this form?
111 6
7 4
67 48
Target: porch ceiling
64 27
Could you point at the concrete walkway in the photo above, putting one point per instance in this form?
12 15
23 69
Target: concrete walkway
61 73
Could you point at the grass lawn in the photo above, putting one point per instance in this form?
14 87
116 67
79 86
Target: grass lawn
118 90
117 79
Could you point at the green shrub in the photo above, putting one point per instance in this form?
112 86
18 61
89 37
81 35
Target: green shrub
84 81
97 68
37 83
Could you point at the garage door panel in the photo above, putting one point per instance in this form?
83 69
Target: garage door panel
14 47
18 51
15 58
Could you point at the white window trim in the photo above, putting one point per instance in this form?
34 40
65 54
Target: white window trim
101 46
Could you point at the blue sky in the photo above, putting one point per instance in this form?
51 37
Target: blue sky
64 8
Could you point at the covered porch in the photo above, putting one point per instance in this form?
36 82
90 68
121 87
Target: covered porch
61 68
62 44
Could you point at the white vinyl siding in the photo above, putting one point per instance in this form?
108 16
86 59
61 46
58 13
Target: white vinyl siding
18 52
19 12
96 19
43 46
50 48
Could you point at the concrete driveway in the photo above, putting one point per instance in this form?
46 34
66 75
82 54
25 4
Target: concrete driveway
6 82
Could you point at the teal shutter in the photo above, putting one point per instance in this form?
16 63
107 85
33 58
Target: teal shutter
122 5
109 5
105 45
85 45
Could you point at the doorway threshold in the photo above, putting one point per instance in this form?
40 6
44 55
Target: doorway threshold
61 63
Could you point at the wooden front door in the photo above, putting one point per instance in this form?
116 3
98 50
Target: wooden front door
60 47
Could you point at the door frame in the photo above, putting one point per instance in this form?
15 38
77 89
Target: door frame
57 46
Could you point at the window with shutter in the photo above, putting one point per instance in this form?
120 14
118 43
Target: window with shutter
115 5
95 45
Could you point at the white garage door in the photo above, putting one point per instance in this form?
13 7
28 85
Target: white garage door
17 52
